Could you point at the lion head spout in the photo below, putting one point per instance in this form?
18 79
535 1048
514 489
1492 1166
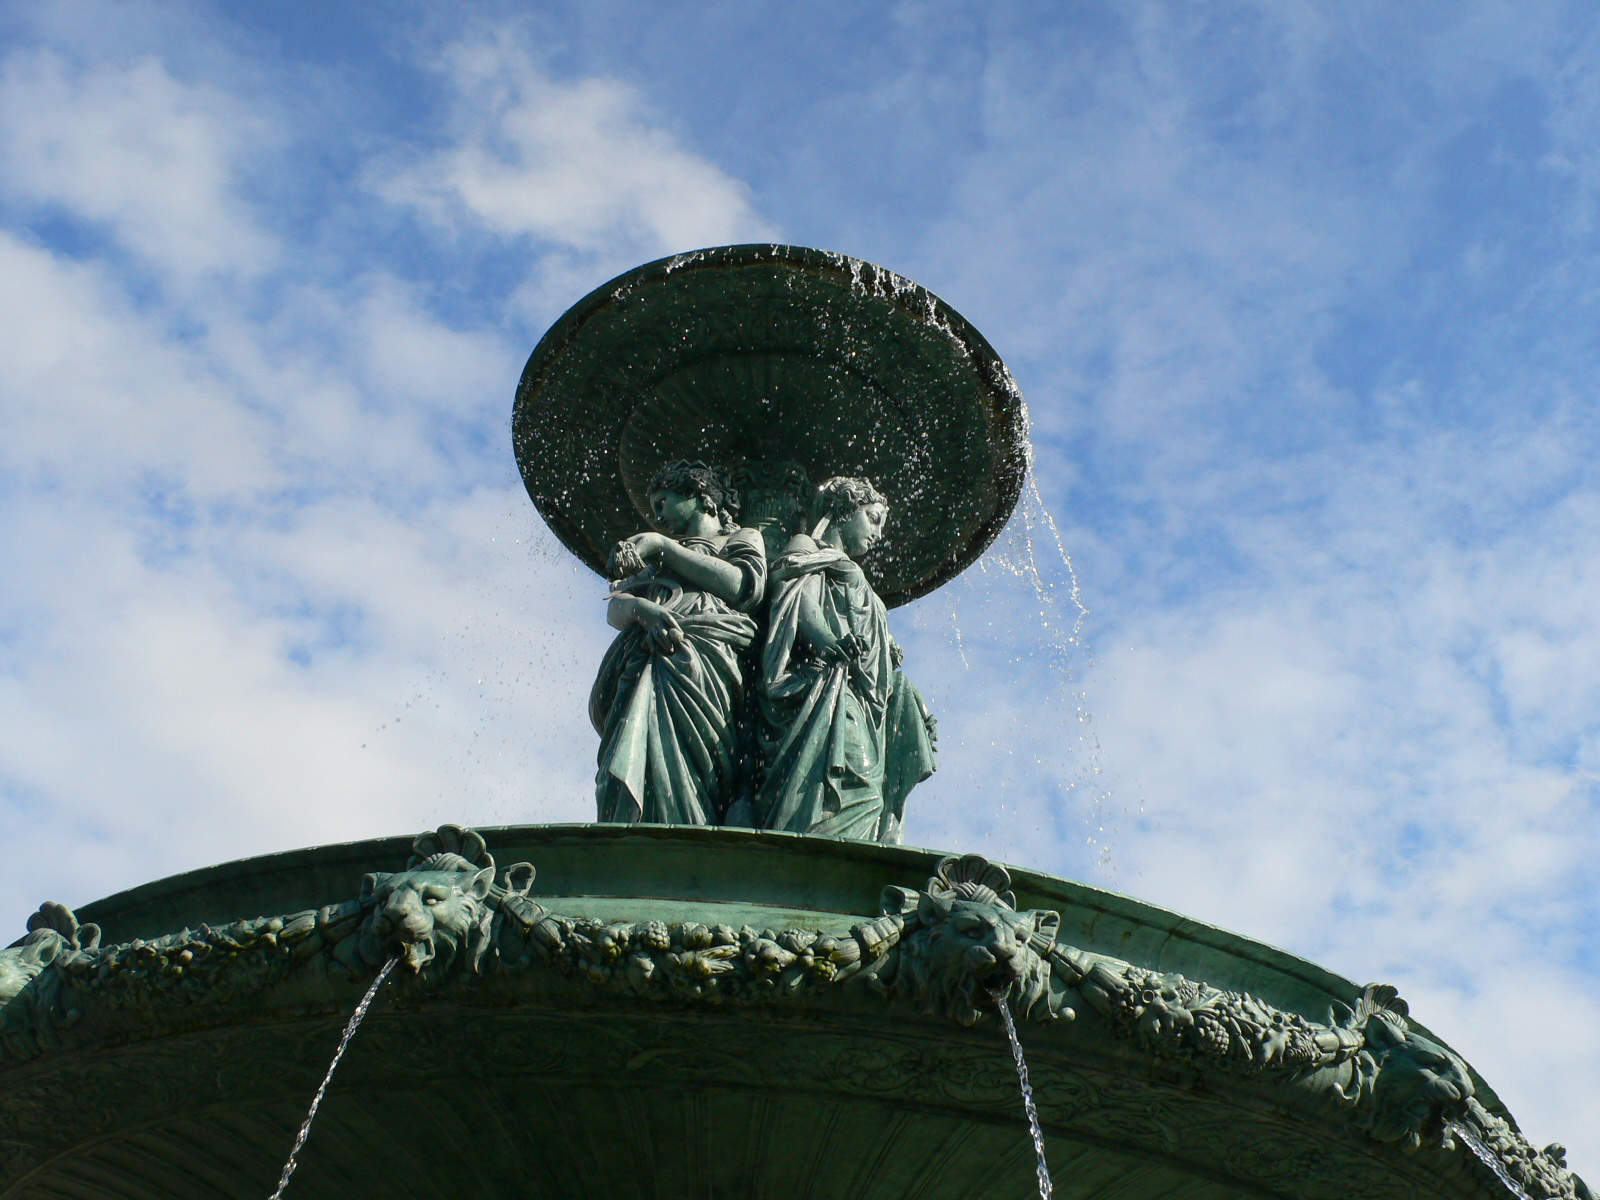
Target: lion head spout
1415 1085
427 915
438 910
970 943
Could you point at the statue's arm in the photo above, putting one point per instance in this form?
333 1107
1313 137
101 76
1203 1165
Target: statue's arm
622 612
811 627
665 634
738 583
812 630
722 579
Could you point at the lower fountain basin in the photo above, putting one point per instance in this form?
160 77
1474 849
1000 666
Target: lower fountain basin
575 1072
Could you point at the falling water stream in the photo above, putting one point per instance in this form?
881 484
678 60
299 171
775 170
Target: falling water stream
311 1114
1045 1187
1489 1159
1018 615
1474 1143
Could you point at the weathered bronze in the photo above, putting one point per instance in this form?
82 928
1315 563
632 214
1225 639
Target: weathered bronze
681 1012
669 699
763 365
775 355
844 735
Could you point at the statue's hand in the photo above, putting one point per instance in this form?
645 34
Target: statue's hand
651 547
850 647
625 561
846 649
662 628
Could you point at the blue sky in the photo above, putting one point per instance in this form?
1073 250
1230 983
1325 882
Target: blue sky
1303 299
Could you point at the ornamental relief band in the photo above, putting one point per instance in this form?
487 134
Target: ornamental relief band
753 681
947 951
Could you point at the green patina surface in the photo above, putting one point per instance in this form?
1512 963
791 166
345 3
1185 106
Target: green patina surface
698 1012
810 439
775 354
611 867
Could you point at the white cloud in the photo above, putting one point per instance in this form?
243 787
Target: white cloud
1381 750
268 584
1351 676
152 159
208 614
95 393
580 164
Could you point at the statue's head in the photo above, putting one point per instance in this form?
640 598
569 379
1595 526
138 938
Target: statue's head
681 489
856 512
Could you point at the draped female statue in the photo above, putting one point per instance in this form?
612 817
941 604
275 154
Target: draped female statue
670 692
845 735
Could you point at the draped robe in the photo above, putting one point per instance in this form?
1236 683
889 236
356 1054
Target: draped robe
669 723
843 741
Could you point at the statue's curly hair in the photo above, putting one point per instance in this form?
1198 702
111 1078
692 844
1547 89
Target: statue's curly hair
713 484
839 497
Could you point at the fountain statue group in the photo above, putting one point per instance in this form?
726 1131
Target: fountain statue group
753 681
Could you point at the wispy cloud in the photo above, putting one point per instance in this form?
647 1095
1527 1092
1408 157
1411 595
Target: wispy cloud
271 579
1317 412
1302 300
579 165
131 150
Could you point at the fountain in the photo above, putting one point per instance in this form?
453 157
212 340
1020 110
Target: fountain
738 983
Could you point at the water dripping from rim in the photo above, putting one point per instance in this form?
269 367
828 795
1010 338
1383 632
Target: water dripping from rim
316 1101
